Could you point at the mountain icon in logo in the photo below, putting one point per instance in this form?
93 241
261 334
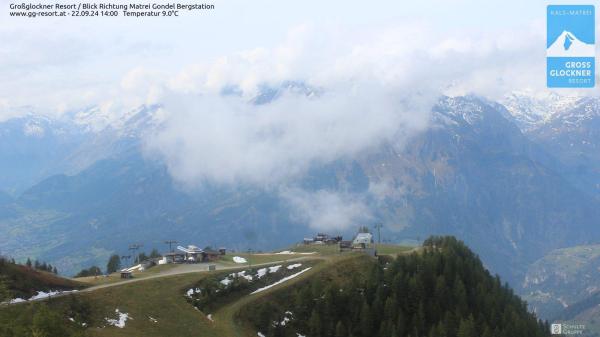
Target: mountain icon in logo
568 45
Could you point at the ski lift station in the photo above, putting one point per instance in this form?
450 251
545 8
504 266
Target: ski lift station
190 254
363 239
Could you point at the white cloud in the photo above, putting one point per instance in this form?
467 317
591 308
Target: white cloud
378 83
228 140
327 210
376 86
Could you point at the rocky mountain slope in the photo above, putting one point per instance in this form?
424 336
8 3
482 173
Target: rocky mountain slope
473 173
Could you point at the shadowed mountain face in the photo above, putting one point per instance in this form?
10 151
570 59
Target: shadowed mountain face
475 175
75 220
472 173
561 279
32 148
573 135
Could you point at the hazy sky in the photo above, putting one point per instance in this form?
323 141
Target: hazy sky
66 63
381 65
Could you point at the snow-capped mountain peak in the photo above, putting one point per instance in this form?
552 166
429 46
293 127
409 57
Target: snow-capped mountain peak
532 109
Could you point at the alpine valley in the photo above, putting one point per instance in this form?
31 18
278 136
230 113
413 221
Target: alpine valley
518 180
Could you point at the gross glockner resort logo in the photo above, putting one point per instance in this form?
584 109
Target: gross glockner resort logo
570 46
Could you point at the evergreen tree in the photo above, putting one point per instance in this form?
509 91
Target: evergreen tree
467 328
91 271
142 257
314 324
5 292
340 330
48 323
28 263
154 253
114 264
366 320
401 327
442 291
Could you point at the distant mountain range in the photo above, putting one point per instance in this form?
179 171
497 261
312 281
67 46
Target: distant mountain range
515 179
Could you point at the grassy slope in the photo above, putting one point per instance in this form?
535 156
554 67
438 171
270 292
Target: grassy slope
390 249
335 270
162 299
116 277
226 322
256 258
25 282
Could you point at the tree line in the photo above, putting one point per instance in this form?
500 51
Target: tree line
37 265
41 266
115 264
442 291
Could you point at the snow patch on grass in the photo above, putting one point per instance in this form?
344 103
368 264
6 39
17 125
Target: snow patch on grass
280 281
261 272
192 291
122 318
238 259
243 274
15 300
39 296
289 252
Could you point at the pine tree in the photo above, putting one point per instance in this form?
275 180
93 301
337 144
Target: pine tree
340 330
467 328
366 320
28 263
114 264
154 253
390 310
401 327
314 324
48 323
435 293
487 332
5 292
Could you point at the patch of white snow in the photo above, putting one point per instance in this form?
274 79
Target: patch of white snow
120 322
238 259
280 281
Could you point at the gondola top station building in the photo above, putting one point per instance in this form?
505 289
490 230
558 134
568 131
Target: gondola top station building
191 254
